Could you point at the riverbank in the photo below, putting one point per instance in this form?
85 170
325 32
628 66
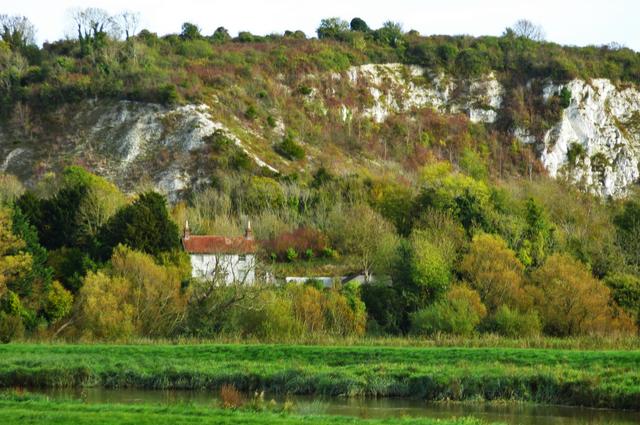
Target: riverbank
40 410
606 378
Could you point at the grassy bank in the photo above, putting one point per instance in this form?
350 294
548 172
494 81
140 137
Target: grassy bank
39 410
573 377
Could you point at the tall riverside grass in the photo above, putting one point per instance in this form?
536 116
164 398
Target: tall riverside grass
572 377
595 342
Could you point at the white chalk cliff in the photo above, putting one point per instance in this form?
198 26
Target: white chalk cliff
596 144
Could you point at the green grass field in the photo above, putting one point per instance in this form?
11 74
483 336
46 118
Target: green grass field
38 410
572 377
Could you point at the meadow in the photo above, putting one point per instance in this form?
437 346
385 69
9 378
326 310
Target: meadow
594 378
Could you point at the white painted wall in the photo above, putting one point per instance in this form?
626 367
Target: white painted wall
231 268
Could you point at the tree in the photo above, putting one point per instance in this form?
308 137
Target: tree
361 232
390 34
143 226
625 291
527 29
471 63
104 310
627 224
128 21
10 189
360 25
495 272
155 293
333 28
190 31
421 274
539 236
39 275
17 31
221 35
93 26
385 308
459 313
572 302
14 262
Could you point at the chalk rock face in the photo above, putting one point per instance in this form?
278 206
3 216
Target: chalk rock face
399 88
130 143
596 144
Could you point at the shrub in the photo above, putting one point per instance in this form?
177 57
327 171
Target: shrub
572 302
450 317
515 324
289 149
230 397
385 308
251 113
269 318
291 254
495 272
262 194
565 97
59 302
104 311
11 327
305 240
625 291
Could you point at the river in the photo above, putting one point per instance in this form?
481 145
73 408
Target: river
508 412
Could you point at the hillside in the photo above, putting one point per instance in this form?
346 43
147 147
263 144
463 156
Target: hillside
156 109
476 185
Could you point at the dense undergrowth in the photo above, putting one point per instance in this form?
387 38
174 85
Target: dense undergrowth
588 378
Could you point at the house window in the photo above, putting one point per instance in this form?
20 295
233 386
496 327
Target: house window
242 258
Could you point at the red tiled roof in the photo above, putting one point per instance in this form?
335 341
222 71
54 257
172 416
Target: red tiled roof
218 245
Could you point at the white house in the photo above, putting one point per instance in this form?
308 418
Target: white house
232 260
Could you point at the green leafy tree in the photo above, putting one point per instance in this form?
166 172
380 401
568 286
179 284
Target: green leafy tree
495 272
358 24
539 237
421 273
625 291
390 34
221 35
17 31
144 225
333 28
458 313
627 224
190 31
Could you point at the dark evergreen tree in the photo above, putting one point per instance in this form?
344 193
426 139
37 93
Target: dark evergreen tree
144 226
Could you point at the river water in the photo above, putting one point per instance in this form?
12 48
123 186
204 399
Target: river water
509 413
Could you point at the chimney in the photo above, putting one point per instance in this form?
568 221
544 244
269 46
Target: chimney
248 233
187 232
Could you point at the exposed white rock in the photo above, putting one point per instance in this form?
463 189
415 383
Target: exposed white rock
602 123
10 157
523 136
399 88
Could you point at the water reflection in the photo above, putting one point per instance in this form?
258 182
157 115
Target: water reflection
509 413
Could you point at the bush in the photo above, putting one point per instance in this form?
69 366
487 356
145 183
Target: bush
625 291
59 302
572 302
11 327
289 149
450 317
310 242
514 324
385 308
565 97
